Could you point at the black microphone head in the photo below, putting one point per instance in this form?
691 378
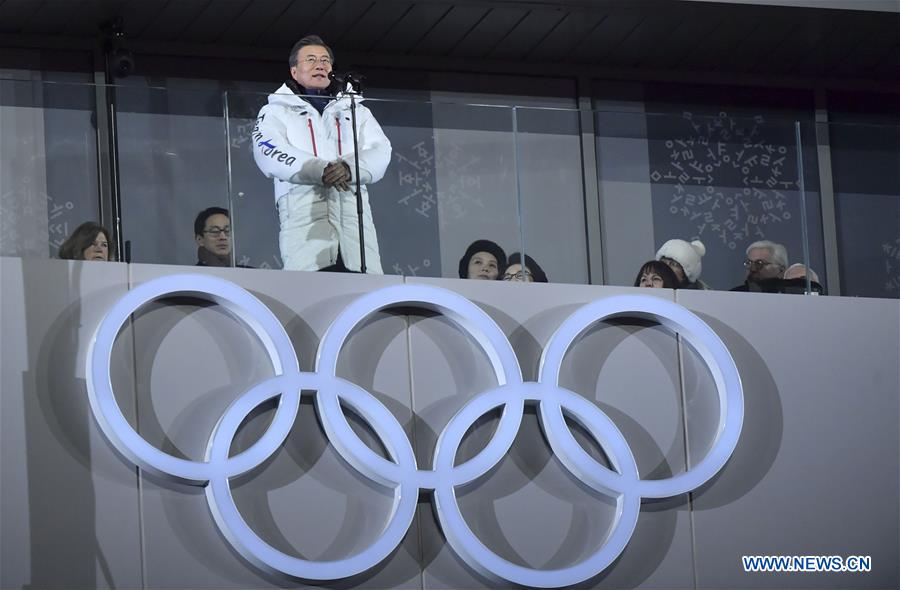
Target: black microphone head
339 81
355 80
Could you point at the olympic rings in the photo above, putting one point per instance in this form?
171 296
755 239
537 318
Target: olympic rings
400 472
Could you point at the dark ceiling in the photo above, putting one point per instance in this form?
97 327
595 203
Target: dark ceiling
646 35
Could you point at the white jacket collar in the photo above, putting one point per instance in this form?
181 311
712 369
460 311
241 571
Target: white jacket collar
285 96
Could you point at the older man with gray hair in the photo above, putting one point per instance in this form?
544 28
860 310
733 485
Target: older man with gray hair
765 265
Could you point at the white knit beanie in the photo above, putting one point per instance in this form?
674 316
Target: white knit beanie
686 254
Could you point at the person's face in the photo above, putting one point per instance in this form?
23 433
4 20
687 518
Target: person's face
483 265
675 266
313 67
760 266
98 250
216 235
651 280
515 272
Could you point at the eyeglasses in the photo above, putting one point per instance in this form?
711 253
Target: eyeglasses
313 60
522 275
756 264
218 231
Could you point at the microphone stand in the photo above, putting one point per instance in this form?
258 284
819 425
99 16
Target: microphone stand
355 83
359 201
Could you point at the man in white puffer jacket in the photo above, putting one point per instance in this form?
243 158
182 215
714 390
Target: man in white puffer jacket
306 144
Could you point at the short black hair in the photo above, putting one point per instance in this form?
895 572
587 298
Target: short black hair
200 221
670 279
481 246
308 40
83 236
537 273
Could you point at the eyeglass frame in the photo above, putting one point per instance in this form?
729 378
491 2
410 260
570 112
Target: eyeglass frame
313 60
215 231
757 265
521 274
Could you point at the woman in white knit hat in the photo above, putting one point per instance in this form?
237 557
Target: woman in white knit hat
684 259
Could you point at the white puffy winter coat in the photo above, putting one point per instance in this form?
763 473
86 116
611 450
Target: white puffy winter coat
293 143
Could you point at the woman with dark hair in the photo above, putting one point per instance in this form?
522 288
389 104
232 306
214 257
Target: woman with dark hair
483 260
530 273
657 274
89 241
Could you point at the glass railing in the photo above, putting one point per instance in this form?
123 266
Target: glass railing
865 165
584 196
551 200
448 179
172 165
726 182
48 165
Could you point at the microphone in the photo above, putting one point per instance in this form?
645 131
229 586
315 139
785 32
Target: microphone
354 79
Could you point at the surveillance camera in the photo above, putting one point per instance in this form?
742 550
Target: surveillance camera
121 62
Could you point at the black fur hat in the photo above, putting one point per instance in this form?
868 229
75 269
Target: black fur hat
481 246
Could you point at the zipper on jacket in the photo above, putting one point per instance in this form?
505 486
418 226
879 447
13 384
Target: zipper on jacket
312 135
337 122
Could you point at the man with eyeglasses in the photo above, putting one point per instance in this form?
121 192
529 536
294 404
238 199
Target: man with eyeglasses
765 265
212 232
303 139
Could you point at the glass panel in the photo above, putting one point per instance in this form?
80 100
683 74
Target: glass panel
726 181
172 165
476 180
450 180
807 271
48 165
413 202
865 164
253 215
551 191
458 173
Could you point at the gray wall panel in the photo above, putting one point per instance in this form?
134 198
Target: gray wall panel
69 502
816 470
306 486
530 510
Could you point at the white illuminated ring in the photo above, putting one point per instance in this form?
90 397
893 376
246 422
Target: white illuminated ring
707 344
481 558
257 551
244 306
469 318
399 471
